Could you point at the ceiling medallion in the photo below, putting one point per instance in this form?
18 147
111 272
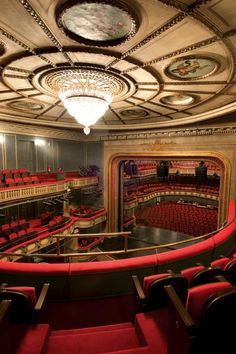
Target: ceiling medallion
191 68
97 23
134 113
25 105
178 99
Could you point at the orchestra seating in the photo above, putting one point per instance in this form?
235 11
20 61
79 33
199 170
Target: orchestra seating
182 217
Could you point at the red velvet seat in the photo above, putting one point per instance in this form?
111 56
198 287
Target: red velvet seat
27 180
3 242
52 225
14 225
23 224
190 272
24 172
152 295
13 237
10 182
31 232
16 173
230 271
7 173
221 262
19 181
6 230
34 179
25 305
22 233
206 275
206 319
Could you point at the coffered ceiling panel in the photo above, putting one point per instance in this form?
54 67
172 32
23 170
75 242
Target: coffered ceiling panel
164 62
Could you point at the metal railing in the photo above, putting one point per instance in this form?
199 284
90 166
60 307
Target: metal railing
125 250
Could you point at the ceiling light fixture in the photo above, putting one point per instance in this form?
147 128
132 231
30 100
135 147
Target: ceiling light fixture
86 99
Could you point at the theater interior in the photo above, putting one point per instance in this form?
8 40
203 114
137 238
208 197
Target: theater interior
117 176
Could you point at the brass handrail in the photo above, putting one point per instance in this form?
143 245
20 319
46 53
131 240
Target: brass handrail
107 234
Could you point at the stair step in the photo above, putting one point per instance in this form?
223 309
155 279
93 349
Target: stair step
29 339
152 329
112 327
95 342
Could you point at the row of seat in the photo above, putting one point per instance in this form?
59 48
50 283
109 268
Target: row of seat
19 181
17 172
182 319
201 304
13 226
18 232
179 217
152 287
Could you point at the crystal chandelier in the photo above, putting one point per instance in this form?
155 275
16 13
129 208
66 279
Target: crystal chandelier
85 99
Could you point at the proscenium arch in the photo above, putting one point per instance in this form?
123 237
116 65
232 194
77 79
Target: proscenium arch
113 175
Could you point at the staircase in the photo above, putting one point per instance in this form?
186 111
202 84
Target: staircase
148 335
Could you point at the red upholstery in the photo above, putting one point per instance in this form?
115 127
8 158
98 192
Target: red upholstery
14 226
27 290
52 224
190 272
34 179
198 295
27 180
7 173
23 171
23 224
10 182
2 240
21 233
13 236
6 230
30 231
19 181
147 281
221 262
16 173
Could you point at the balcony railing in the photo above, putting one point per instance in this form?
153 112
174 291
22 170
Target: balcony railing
42 189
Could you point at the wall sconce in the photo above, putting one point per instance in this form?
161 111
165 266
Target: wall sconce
39 142
2 138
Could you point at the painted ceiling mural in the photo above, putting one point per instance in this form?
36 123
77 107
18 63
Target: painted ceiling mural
166 63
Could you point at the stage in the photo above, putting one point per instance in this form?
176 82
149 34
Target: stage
145 236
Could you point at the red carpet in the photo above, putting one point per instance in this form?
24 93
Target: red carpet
90 313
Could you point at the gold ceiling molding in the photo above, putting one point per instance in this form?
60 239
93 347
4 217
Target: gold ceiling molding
141 62
192 132
14 128
172 22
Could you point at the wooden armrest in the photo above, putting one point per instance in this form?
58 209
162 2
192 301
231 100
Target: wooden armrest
180 309
4 305
220 278
42 297
138 288
170 271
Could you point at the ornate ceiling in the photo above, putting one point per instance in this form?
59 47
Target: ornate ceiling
167 62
